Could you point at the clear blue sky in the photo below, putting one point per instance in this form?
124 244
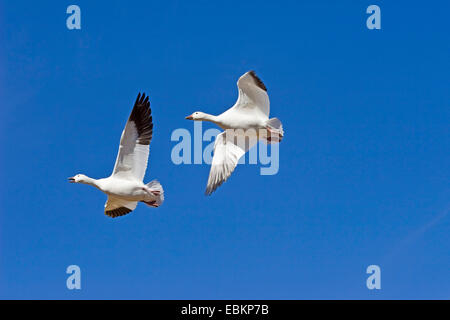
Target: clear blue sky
364 165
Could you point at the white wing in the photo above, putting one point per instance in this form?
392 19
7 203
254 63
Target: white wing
228 149
132 158
115 207
252 94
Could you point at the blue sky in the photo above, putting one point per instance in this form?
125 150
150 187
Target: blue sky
363 173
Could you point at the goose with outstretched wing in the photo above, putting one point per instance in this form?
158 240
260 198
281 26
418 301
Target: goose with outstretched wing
125 187
246 122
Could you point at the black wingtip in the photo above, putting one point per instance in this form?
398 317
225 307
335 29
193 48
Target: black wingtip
141 115
118 212
258 81
137 98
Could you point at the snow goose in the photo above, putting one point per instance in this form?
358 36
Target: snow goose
125 187
244 123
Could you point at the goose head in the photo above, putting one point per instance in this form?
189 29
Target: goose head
79 178
198 116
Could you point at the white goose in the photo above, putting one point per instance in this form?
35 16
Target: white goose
249 117
125 187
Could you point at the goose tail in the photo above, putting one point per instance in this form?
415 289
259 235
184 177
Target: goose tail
157 190
275 131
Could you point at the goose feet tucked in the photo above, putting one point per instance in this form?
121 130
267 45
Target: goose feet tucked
273 135
153 204
151 192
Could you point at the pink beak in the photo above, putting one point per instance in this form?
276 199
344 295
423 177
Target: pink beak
190 117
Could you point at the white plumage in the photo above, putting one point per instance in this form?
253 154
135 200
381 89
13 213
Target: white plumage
125 187
244 123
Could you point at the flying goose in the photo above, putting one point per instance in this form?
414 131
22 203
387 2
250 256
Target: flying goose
125 187
244 123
